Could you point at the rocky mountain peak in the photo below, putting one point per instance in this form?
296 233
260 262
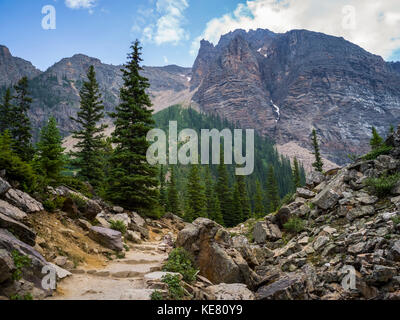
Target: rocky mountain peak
4 52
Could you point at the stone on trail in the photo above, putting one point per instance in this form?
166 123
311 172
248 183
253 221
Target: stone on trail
109 238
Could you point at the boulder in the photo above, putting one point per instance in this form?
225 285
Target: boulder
290 286
31 276
11 211
109 238
265 231
211 246
84 224
117 209
395 250
23 201
326 199
320 242
360 212
396 189
314 178
138 220
6 265
17 228
281 217
233 291
4 186
123 217
134 236
305 193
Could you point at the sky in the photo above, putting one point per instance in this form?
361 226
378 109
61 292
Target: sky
45 31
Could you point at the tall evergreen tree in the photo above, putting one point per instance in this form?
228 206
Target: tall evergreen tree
49 159
318 164
296 174
163 189
172 193
376 140
133 182
237 212
90 136
6 112
244 198
195 194
224 193
21 128
259 209
273 198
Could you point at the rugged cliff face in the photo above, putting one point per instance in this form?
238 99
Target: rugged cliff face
12 69
286 84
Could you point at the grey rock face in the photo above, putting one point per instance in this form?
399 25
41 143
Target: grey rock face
4 186
207 241
23 201
109 238
314 178
11 211
264 231
326 199
19 229
304 193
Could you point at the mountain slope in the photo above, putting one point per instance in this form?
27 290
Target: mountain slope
286 84
12 69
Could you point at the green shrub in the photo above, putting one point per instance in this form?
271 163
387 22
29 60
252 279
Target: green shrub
175 290
157 296
396 220
384 149
118 226
27 296
384 184
180 261
16 169
51 205
294 225
20 261
287 199
79 201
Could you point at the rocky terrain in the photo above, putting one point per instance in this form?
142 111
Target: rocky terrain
348 247
338 239
286 84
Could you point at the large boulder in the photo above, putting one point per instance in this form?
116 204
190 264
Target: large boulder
326 199
11 211
4 186
314 178
18 229
212 248
23 201
233 291
32 276
305 193
109 238
290 286
265 231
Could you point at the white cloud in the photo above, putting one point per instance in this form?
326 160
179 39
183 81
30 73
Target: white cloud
80 4
168 22
372 24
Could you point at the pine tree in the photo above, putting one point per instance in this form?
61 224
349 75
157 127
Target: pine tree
21 128
273 198
244 198
163 190
172 193
224 193
318 164
133 182
237 212
376 140
195 195
90 136
6 112
296 174
49 159
259 209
